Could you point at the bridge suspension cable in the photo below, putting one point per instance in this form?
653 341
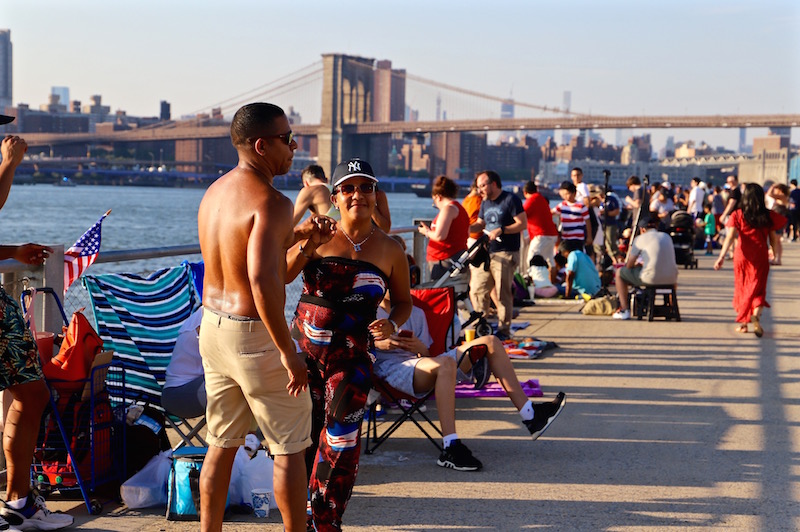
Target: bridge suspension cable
468 92
239 99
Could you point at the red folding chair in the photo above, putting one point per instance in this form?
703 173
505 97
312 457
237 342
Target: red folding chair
439 305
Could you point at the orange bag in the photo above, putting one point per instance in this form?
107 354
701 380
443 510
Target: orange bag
74 360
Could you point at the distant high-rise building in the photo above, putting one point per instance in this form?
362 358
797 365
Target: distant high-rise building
5 69
567 101
438 107
507 112
166 111
742 139
62 93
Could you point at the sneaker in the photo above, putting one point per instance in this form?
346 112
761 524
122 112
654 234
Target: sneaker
481 372
458 457
503 335
394 408
622 315
35 515
544 414
5 527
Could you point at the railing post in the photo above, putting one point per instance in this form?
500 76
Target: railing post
421 250
53 276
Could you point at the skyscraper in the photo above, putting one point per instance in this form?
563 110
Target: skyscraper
5 69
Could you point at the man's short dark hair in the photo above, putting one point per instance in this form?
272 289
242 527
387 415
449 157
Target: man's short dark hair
569 186
493 176
651 221
577 169
315 171
633 180
793 182
696 180
530 188
254 120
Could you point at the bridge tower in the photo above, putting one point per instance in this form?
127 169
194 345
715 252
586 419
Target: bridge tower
347 86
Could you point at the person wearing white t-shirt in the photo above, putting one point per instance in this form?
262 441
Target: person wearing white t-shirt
184 392
696 197
582 189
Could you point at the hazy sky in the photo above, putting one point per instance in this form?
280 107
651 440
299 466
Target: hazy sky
616 57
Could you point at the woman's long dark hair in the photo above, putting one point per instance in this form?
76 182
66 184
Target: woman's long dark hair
754 211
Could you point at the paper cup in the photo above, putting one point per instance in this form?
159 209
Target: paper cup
261 498
44 341
469 335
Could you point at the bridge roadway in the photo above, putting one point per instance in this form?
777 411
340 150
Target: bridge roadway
683 425
183 131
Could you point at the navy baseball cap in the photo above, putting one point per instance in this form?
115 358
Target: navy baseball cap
352 168
6 119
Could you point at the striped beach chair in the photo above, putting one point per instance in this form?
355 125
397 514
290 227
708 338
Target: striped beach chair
139 319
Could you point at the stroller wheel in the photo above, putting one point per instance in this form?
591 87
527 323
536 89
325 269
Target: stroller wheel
483 328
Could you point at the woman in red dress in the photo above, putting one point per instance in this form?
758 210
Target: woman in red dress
755 226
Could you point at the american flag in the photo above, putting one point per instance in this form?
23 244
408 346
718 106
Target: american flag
82 253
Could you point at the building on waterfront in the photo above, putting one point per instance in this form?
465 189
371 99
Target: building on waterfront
6 72
63 94
165 111
770 161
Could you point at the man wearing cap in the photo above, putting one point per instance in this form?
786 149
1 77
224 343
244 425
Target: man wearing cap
21 374
502 217
252 368
658 267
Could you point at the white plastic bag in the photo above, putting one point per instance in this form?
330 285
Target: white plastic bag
249 474
148 487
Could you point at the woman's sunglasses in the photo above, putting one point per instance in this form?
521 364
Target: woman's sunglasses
349 190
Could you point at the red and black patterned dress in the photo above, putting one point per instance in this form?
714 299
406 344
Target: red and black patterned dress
339 301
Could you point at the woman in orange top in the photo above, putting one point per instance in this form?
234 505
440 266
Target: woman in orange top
448 231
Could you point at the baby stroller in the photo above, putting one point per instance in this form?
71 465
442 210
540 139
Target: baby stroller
681 229
458 277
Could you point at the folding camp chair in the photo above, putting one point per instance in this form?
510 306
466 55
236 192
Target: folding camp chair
139 319
439 304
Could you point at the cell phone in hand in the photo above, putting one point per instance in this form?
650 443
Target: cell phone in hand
403 333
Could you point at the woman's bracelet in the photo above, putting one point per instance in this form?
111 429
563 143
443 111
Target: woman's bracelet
303 253
394 325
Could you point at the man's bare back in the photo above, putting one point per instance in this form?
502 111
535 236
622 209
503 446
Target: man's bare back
314 197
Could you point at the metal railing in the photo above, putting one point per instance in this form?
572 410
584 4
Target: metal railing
16 277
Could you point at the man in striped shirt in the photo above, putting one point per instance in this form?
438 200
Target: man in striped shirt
574 216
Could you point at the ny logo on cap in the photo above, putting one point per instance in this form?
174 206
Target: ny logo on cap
353 166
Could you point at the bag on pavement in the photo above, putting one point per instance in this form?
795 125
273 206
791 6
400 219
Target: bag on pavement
600 306
148 487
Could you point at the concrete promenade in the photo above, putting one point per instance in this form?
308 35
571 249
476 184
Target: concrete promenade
684 425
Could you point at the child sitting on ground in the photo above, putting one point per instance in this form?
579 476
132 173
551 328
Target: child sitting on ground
539 275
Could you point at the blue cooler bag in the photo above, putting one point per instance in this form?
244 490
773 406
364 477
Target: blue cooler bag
183 499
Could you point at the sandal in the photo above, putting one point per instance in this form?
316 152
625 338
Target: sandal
757 324
742 328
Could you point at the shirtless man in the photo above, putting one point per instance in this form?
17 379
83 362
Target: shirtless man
253 371
315 195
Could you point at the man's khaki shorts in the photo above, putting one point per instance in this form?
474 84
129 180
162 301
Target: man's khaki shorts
246 383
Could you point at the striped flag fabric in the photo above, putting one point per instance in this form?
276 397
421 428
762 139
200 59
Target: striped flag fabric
82 253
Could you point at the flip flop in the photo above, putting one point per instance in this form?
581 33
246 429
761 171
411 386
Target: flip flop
757 324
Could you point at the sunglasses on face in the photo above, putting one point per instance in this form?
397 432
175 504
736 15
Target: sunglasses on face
365 188
285 137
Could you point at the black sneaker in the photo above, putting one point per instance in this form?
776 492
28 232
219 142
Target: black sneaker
481 372
5 526
544 414
458 457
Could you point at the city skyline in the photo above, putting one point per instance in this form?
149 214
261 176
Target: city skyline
618 58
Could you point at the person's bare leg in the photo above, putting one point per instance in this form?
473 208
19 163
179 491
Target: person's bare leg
19 436
215 478
291 489
622 292
500 365
439 373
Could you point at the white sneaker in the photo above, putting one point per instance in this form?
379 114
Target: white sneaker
622 315
35 515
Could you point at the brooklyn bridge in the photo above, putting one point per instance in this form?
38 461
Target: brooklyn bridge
357 105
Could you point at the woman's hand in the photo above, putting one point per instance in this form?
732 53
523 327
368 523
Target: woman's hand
424 230
381 329
719 261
